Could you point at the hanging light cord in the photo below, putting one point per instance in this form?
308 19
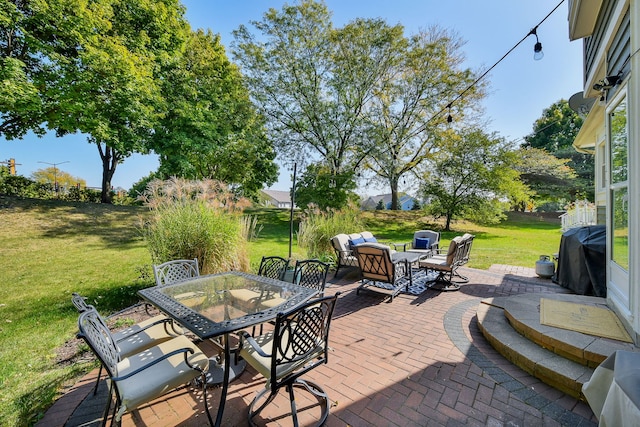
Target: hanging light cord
533 31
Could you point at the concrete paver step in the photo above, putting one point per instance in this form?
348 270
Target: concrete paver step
561 358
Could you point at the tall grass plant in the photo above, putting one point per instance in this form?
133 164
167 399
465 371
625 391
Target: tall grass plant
196 219
318 227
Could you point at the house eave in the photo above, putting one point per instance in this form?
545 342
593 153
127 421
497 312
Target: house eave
585 141
582 17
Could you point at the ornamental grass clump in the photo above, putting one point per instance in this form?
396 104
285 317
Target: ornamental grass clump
196 219
318 227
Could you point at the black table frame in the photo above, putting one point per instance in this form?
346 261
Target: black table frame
409 258
206 328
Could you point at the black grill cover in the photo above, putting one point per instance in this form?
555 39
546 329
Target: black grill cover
582 261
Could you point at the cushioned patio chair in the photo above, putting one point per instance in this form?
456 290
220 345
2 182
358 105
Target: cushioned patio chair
175 271
144 376
134 338
446 264
425 241
378 272
344 255
298 343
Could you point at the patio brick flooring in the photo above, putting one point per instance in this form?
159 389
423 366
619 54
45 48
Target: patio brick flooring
418 361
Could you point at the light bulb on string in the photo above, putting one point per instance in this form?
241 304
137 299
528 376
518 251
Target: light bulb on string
538 54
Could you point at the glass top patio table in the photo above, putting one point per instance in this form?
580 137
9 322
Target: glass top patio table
219 304
208 306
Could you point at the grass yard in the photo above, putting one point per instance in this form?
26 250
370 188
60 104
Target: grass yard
49 249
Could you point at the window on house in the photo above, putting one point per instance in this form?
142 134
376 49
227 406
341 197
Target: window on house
618 178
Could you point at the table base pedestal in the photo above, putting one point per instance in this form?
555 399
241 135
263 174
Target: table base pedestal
215 375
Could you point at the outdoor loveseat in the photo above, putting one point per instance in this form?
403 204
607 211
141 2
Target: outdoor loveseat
343 245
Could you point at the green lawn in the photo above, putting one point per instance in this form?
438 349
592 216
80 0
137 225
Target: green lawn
49 249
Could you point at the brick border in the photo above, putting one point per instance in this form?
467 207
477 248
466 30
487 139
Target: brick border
453 327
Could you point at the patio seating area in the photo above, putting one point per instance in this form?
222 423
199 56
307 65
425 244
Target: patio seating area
418 361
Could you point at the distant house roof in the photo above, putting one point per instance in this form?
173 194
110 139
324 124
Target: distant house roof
280 199
404 199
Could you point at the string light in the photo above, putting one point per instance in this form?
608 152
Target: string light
538 54
537 51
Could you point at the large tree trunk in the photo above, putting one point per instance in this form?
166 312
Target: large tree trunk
110 160
394 194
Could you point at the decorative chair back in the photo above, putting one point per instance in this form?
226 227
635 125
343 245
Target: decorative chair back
175 271
301 335
99 338
468 241
375 263
459 249
273 267
311 274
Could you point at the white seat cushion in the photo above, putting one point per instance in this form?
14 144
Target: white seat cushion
134 339
159 378
263 364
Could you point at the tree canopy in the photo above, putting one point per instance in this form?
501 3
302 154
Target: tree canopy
555 132
210 128
359 96
133 76
472 176
54 176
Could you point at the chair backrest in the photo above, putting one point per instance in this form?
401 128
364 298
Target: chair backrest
340 243
433 236
468 241
311 273
273 267
99 338
459 249
374 260
175 271
302 335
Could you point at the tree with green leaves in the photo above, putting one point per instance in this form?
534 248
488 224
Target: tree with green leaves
360 96
319 186
471 176
89 67
405 115
545 174
313 82
211 129
54 175
555 132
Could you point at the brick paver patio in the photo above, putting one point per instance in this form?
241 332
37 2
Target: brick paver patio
418 361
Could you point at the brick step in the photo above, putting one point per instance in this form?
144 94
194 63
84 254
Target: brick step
561 358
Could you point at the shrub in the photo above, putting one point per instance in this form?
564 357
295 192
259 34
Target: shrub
195 219
318 227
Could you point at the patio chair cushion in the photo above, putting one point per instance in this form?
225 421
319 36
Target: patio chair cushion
135 338
263 364
160 378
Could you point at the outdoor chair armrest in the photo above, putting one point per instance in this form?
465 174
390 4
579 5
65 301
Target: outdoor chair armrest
168 322
245 336
400 245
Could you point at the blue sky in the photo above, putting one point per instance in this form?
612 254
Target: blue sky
520 88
